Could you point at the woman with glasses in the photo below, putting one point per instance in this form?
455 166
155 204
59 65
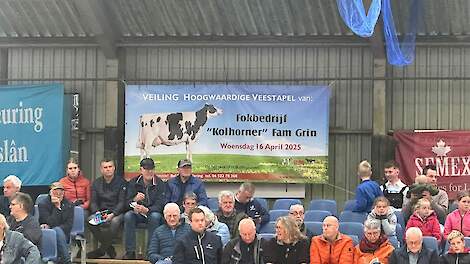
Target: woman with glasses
374 247
289 246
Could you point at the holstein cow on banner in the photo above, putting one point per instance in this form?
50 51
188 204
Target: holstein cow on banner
170 129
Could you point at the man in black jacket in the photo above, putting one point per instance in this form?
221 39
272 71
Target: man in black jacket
246 248
108 199
57 213
414 251
198 246
21 220
145 200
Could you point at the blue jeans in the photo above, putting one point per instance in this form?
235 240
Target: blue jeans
62 245
131 219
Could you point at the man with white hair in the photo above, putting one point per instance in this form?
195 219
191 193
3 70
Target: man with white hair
245 248
367 190
227 213
414 252
297 212
11 185
163 238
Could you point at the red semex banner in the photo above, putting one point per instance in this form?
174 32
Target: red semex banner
448 150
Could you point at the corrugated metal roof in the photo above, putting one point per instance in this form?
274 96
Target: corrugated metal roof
195 18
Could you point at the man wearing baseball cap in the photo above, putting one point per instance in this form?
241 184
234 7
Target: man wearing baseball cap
56 213
184 183
145 202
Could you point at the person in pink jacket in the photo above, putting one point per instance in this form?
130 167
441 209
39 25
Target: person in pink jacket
425 219
459 219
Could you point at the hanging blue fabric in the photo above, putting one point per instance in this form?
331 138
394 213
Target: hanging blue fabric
400 54
354 15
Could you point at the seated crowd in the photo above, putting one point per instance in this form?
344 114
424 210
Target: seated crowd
183 229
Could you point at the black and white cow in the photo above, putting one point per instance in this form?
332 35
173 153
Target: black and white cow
170 129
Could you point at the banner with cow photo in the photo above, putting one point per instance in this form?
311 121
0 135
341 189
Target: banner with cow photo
230 132
448 150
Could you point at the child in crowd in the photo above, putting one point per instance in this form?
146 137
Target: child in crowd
383 212
421 184
457 254
425 219
459 219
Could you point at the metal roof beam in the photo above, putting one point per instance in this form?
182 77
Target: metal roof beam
97 18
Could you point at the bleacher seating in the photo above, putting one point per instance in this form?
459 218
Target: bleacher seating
394 241
274 214
453 206
355 239
268 228
349 216
431 243
323 205
399 230
316 215
284 204
315 227
352 228
41 197
48 245
77 233
213 204
400 218
263 202
349 205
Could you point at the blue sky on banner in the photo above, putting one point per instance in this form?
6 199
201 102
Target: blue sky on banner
312 114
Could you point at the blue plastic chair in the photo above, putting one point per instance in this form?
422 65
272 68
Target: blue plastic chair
284 204
352 228
431 243
77 233
323 205
355 239
315 227
36 212
400 218
268 228
275 214
213 204
349 205
453 206
266 236
400 233
48 245
41 197
349 216
394 241
263 202
316 215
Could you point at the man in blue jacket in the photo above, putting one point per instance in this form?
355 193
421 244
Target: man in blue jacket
163 239
184 183
145 199
198 246
367 190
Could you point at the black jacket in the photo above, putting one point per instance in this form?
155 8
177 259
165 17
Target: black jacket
276 253
192 248
454 258
154 194
111 196
4 206
232 253
426 256
52 216
29 227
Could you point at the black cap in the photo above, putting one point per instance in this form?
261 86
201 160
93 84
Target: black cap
184 162
147 164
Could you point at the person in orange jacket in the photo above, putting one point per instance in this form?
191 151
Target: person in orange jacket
331 247
374 247
77 188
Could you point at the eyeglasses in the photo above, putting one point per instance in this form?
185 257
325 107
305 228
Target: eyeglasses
296 213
